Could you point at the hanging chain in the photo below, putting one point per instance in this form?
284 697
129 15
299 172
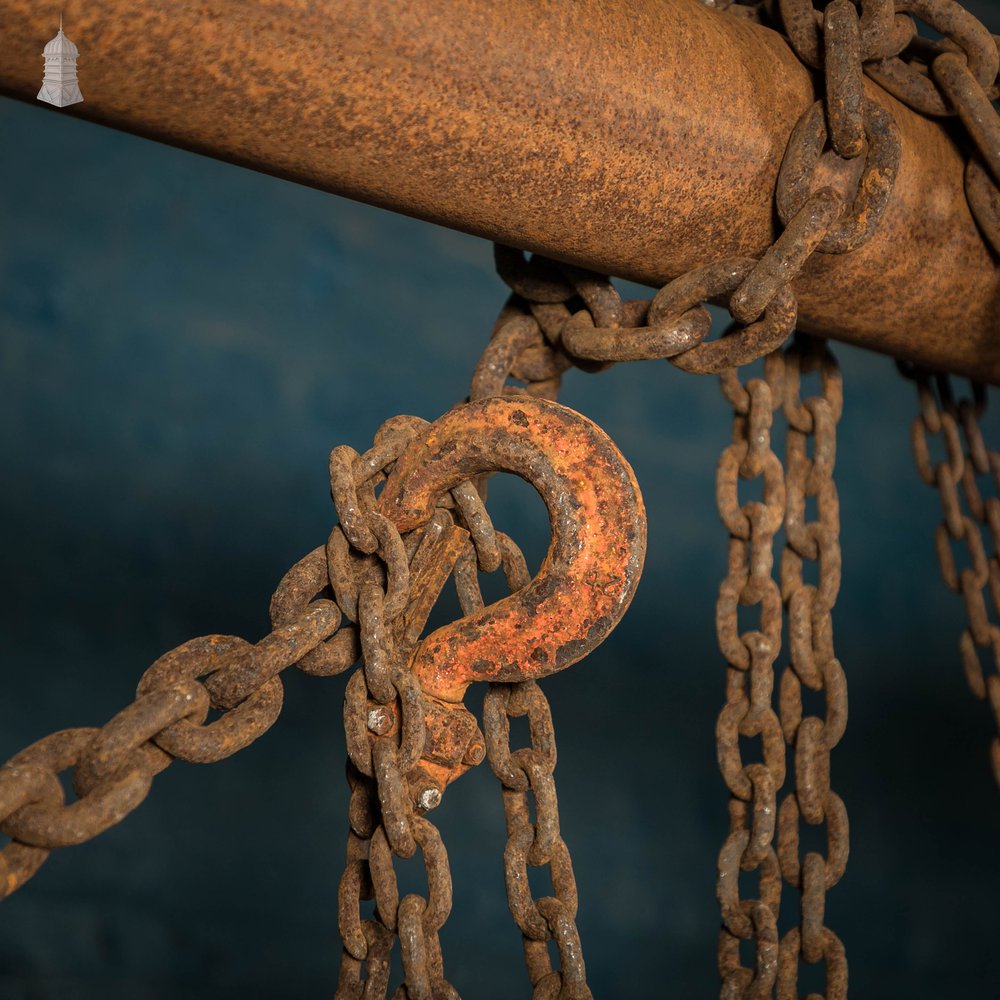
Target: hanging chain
522 348
388 587
384 583
966 515
813 664
749 714
749 711
524 772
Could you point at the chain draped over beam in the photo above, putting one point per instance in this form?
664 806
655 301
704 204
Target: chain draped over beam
639 140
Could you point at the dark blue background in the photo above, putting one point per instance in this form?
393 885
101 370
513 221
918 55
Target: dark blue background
181 344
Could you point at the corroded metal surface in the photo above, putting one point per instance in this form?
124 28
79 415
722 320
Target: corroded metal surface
765 839
594 561
967 475
577 131
384 566
526 774
370 589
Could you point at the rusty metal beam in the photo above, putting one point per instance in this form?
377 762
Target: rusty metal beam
640 139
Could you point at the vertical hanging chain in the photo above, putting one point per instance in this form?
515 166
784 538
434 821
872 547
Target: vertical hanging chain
748 711
813 664
751 654
518 348
966 513
387 585
527 774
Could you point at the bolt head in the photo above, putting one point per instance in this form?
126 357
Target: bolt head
379 720
429 798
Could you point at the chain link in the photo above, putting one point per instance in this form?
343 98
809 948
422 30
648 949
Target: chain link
527 774
959 475
369 591
763 840
748 713
809 475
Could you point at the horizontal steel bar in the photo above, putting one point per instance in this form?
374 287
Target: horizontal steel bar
640 139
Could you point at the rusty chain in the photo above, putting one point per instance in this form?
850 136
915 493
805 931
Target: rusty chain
384 586
809 475
388 587
383 717
763 839
519 348
954 75
749 712
755 819
369 591
583 319
524 772
967 514
581 316
113 766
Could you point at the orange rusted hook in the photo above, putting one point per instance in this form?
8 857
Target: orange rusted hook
585 583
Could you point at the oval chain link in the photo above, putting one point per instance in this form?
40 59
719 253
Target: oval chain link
811 444
748 714
526 774
969 511
763 840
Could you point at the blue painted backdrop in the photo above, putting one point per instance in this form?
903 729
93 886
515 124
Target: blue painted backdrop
181 344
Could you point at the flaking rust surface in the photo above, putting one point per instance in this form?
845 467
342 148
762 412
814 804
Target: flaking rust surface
595 557
639 139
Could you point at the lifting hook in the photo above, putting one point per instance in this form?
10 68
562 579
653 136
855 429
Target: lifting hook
587 578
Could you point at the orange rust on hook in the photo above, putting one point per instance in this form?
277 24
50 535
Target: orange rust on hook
594 560
581 591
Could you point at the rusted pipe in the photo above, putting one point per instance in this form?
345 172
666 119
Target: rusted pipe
640 139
